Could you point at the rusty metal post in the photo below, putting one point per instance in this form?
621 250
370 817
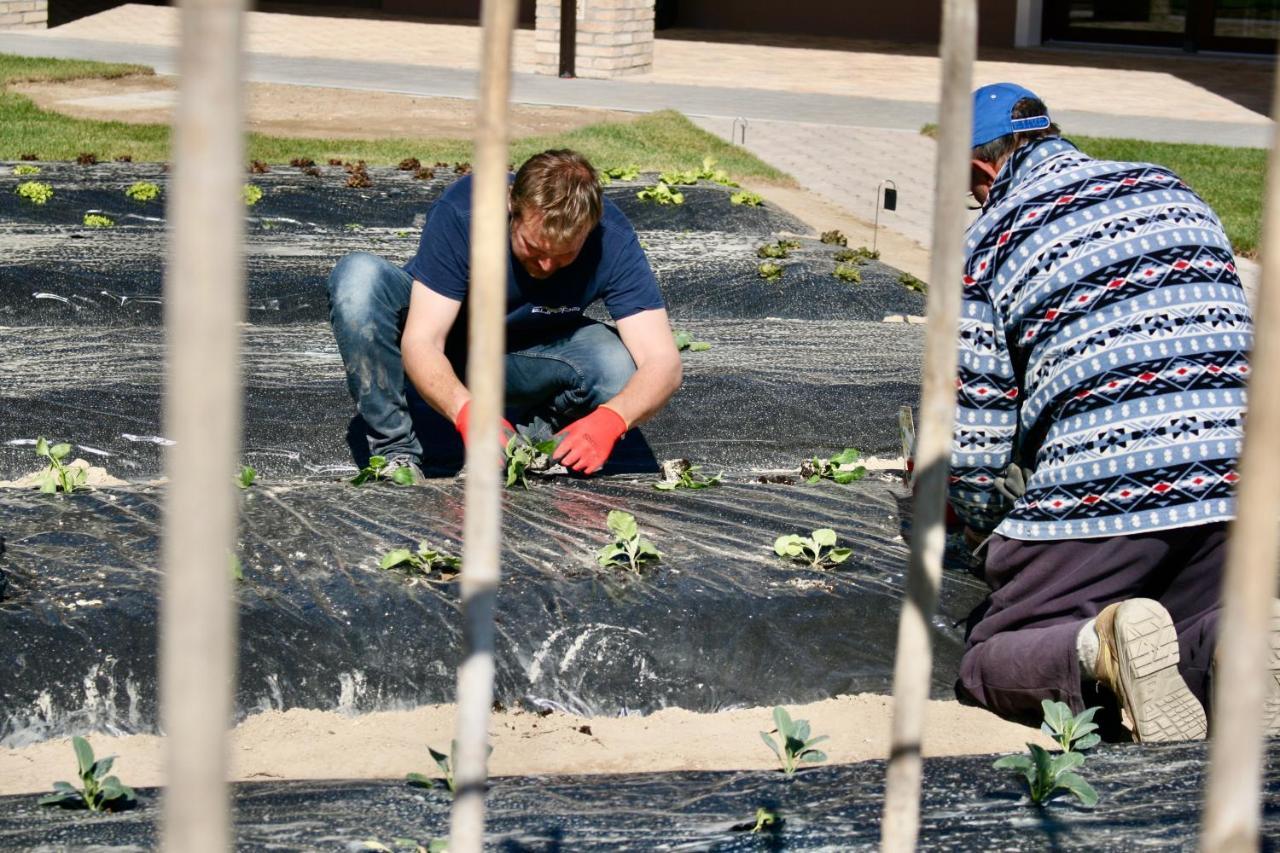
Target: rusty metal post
482 530
914 661
1233 799
204 304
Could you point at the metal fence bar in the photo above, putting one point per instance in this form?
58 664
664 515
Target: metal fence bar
482 530
914 661
204 303
1232 800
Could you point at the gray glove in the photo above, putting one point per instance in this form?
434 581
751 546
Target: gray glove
1013 482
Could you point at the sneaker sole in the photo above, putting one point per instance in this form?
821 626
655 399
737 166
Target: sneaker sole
1162 707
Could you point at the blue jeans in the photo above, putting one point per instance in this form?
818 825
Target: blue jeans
555 381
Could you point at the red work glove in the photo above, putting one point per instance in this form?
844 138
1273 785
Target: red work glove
462 422
586 443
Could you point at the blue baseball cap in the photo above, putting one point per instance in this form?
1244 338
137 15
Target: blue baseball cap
993 113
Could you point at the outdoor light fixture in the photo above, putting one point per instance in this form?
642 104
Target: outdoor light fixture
887 190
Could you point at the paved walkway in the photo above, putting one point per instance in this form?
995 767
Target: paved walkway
839 116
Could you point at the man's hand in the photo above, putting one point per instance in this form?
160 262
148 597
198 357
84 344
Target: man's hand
586 443
463 422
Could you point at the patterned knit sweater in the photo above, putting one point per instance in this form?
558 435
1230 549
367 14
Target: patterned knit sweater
1104 341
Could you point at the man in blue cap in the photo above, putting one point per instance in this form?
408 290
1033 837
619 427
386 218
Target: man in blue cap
1104 343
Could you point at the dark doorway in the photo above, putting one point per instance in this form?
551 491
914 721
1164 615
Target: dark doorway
1251 26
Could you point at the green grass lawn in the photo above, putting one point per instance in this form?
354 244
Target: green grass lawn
658 141
1230 179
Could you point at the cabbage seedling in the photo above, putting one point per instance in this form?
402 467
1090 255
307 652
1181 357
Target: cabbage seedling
35 191
252 195
57 475
910 282
142 191
246 477
444 762
97 220
766 821
1073 732
25 169
772 250
376 471
769 271
818 550
859 255
628 546
848 272
843 468
679 474
661 194
526 451
100 792
422 562
746 197
796 747
1047 773
685 341
834 238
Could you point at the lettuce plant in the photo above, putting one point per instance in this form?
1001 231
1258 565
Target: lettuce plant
859 255
679 474
796 747
58 475
246 476
687 178
35 191
910 282
767 821
26 169
769 271
843 468
660 193
772 250
252 195
628 546
834 238
619 173
100 792
746 197
97 220
848 272
685 341
818 550
421 562
142 191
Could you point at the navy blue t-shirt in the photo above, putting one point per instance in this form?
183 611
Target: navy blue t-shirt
611 266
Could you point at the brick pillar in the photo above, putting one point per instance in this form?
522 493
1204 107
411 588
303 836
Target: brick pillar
615 37
24 14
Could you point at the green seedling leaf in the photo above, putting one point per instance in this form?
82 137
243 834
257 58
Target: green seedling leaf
816 549
424 561
679 474
99 792
246 476
142 191
35 191
23 169
420 780
1074 783
848 272
629 546
843 468
834 238
97 220
525 452
772 250
680 178
910 282
796 745
746 197
766 821
622 173
825 537
684 341
1047 773
57 475
84 755
660 193
252 195
769 271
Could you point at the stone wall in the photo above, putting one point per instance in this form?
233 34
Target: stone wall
615 37
24 14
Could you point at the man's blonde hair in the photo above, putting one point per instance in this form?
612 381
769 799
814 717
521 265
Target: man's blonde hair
563 187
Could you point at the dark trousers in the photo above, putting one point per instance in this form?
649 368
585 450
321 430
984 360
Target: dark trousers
1022 641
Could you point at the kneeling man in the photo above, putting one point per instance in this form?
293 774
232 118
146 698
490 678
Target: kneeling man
569 248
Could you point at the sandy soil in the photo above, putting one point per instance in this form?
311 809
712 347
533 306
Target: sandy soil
279 110
302 744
